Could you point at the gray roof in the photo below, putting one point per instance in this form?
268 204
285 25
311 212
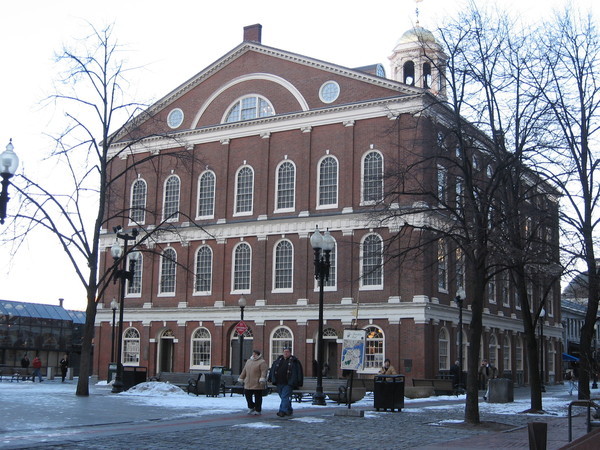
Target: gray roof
41 311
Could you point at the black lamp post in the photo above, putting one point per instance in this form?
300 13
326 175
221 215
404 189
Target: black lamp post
113 305
595 357
242 303
460 297
542 316
9 161
322 245
123 275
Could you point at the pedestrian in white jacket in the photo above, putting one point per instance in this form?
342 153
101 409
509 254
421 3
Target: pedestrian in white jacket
254 377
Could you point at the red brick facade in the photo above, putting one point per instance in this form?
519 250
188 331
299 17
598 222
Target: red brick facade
370 114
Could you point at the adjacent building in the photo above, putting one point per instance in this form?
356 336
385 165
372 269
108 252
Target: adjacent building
277 144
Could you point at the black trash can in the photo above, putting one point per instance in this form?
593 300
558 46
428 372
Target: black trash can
133 376
389 392
212 384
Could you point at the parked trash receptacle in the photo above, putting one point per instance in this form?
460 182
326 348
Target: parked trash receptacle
112 372
212 384
501 390
133 376
389 392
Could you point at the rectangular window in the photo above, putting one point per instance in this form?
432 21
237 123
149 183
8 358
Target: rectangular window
442 266
442 186
328 178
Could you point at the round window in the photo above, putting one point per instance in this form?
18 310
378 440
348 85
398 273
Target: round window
329 92
175 118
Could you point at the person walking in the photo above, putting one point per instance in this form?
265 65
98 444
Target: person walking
64 365
37 369
254 377
486 373
25 366
286 373
455 372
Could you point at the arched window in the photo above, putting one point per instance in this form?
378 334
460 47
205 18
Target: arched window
247 108
242 267
409 73
427 80
206 194
168 267
519 354
244 191
281 338
134 287
201 349
372 262
443 350
331 283
286 186
372 179
493 347
131 347
328 182
442 265
506 354
374 348
139 191
171 199
203 281
283 266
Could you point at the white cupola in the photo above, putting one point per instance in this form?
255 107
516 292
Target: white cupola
418 60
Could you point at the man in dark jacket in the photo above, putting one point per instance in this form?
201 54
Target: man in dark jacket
286 374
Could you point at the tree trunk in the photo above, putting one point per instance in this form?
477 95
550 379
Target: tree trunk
83 384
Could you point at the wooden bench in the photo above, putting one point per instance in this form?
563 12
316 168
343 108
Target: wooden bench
440 386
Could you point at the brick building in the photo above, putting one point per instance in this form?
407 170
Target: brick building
280 143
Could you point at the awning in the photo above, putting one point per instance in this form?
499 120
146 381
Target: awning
567 357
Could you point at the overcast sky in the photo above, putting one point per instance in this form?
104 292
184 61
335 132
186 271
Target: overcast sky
171 42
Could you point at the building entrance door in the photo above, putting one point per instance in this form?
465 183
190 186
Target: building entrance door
165 351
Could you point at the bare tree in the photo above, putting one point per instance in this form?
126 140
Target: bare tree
93 93
570 82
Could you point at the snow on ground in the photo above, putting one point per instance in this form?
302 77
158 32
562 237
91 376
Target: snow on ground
172 398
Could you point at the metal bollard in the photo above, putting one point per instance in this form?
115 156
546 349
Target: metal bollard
538 435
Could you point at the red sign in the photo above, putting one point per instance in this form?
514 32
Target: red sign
241 327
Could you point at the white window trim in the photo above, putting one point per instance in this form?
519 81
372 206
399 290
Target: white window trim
167 294
371 287
140 261
364 202
200 366
240 291
282 290
235 198
211 216
337 183
143 222
175 218
239 100
275 208
212 269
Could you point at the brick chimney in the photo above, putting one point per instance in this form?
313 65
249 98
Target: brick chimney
60 302
252 33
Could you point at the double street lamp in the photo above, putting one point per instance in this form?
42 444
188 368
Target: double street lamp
113 305
123 275
322 246
9 161
459 299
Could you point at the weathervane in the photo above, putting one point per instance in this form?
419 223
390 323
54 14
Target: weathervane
417 10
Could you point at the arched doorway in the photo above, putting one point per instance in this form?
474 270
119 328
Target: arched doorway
166 342
331 361
235 350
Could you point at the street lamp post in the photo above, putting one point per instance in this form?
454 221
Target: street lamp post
542 316
242 303
123 275
113 305
460 297
595 357
322 246
9 161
